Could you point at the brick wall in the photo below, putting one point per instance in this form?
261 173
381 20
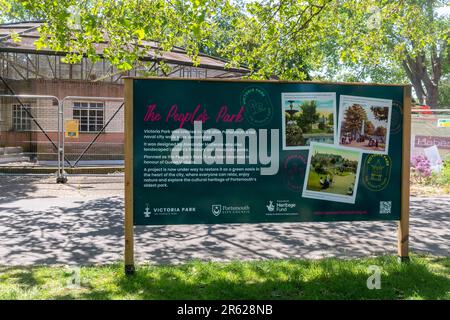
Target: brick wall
108 146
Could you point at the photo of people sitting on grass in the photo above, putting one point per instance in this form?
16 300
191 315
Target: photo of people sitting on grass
308 117
332 173
364 123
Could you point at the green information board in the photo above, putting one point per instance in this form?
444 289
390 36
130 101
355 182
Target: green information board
210 152
216 151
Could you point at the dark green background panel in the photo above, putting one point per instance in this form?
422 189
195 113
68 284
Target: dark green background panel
286 185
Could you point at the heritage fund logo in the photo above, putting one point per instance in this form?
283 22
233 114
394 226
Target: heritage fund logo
281 208
270 206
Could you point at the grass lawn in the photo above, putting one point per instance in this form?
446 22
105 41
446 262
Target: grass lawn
340 183
425 277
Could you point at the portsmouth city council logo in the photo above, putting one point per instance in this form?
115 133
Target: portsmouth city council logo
377 172
216 209
258 110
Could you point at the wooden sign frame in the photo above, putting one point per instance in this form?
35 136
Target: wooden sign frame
129 227
403 223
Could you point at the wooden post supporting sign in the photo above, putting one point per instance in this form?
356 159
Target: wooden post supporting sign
129 229
403 224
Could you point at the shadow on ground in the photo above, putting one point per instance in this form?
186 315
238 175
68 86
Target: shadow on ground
15 188
88 229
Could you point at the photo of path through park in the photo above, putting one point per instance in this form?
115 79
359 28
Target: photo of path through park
333 170
364 125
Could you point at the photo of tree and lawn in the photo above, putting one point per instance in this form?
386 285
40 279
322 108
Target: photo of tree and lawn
332 173
364 123
308 117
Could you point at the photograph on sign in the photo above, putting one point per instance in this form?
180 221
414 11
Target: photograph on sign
308 117
332 173
364 123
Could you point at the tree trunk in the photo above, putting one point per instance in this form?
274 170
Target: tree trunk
425 84
419 92
432 96
411 69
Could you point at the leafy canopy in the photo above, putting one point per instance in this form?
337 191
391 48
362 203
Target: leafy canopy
288 39
76 26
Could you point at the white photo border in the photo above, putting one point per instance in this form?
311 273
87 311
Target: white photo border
384 103
325 195
302 95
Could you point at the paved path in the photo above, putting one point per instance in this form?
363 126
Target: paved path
82 223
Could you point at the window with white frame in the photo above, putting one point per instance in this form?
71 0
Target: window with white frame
21 118
90 115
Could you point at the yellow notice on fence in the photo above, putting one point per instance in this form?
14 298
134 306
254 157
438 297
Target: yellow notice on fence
71 127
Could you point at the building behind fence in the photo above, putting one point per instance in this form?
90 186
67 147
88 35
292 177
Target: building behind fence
30 122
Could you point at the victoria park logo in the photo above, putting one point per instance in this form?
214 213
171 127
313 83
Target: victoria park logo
147 211
377 172
258 108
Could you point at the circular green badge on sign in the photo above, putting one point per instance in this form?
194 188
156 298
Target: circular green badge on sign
258 110
396 116
377 171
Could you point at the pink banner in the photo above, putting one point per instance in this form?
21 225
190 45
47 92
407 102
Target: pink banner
428 141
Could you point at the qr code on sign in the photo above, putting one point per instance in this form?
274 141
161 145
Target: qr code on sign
385 207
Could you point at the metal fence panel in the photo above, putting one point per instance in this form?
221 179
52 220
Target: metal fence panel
100 139
32 131
30 127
